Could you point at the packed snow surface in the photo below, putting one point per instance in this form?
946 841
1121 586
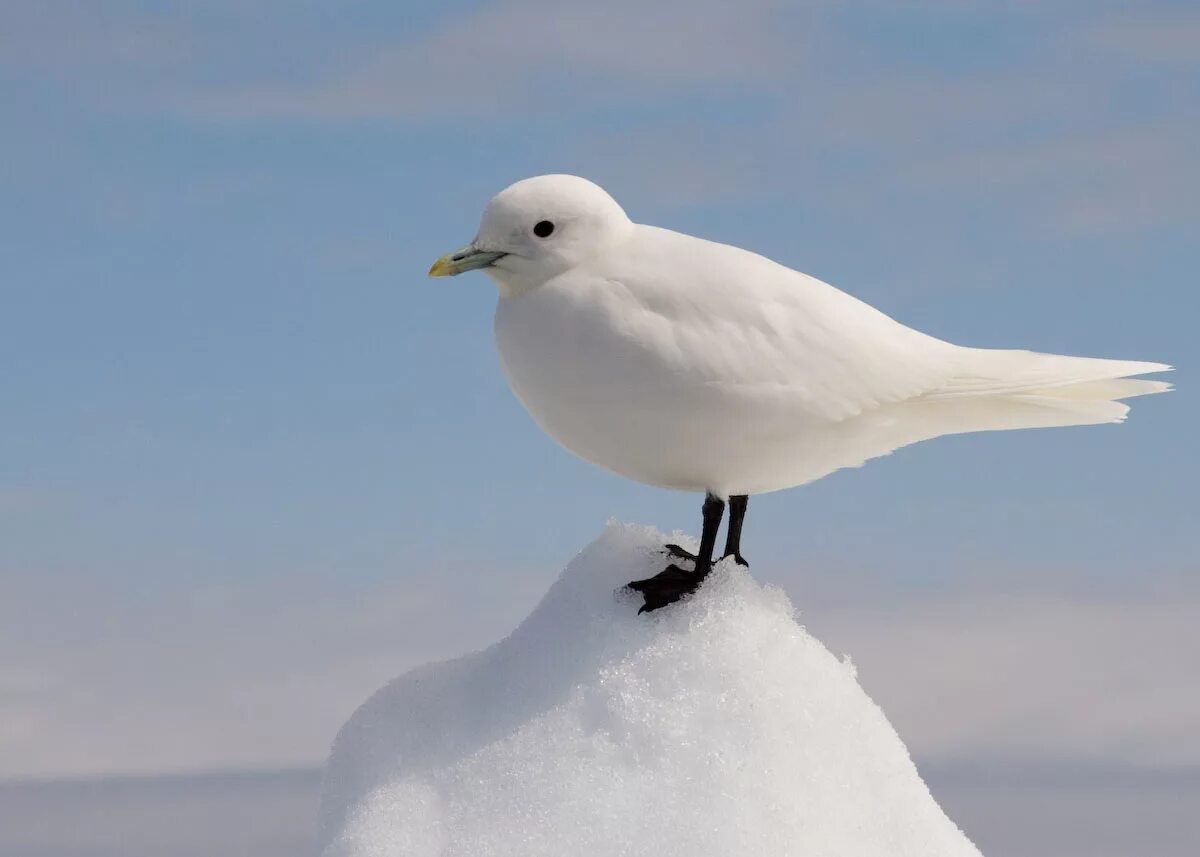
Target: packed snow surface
717 726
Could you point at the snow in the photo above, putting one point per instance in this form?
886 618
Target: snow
718 726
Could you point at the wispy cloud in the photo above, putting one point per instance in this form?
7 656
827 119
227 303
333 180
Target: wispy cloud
99 681
268 814
61 39
1031 677
1118 179
1053 809
495 59
263 674
715 100
1167 38
526 56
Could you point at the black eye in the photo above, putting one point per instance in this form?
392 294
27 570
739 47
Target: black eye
543 228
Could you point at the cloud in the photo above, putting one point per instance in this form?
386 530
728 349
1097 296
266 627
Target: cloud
263 674
511 57
18 497
698 102
1060 808
268 814
1037 156
99 681
1057 808
678 165
1119 179
1031 677
526 56
1160 39
60 39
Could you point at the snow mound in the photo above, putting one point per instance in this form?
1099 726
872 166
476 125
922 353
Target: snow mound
713 727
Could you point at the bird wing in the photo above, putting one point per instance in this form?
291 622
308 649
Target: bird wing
738 321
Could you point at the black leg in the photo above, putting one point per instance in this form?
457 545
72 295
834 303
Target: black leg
712 505
712 511
733 538
673 583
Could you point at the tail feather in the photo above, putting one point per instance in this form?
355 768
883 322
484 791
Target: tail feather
1111 390
1027 373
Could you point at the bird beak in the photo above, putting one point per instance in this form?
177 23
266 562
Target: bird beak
467 259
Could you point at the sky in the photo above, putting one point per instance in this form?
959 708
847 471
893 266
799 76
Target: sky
254 463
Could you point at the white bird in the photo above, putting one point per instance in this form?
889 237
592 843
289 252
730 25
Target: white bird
693 365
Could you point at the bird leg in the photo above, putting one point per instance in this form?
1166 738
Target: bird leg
671 584
733 538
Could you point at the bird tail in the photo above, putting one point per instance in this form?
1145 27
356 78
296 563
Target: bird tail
1090 388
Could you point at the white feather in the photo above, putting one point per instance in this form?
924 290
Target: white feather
689 364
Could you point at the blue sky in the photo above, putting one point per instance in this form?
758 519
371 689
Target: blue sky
255 463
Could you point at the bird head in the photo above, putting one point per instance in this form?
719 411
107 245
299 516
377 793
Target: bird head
536 229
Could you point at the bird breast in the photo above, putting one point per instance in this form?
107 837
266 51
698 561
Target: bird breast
628 388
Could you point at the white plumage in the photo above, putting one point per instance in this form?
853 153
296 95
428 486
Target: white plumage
689 364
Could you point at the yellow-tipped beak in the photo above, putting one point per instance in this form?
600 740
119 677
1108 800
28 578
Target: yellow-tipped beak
467 259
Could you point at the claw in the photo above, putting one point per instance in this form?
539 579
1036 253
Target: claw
666 587
738 558
679 552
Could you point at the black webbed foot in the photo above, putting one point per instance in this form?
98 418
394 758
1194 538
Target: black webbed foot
738 558
671 584
666 587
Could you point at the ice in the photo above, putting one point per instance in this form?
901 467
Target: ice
718 726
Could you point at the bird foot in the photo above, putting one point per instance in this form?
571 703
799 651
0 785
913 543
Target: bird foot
738 558
666 587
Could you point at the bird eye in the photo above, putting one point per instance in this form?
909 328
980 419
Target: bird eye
543 228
